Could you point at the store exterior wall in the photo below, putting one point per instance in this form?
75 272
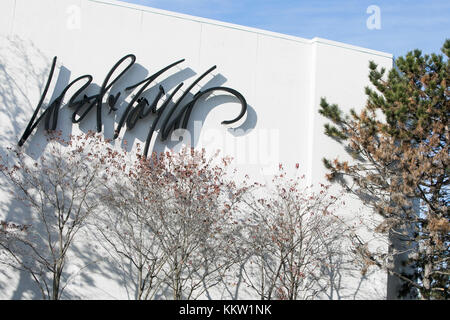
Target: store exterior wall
281 77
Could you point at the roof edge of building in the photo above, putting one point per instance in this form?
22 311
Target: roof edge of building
243 28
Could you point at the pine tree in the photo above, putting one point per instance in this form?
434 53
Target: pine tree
399 143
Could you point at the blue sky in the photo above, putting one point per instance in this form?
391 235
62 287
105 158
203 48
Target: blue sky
405 24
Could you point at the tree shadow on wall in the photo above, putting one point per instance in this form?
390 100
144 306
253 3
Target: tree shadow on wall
24 71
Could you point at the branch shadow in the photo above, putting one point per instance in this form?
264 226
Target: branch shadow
24 71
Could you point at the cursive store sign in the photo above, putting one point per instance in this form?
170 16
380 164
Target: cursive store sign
176 116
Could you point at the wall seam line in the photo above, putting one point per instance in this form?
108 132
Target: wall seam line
312 105
11 28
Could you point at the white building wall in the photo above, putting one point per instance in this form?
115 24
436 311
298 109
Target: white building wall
281 77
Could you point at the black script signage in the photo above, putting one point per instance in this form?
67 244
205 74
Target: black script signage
138 108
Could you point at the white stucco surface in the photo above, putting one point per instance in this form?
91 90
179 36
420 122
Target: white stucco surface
282 78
